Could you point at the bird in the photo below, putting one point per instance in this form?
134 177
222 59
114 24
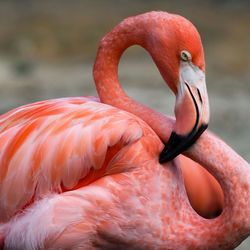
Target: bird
109 173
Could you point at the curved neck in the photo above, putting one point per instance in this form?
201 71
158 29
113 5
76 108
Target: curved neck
233 174
228 167
105 74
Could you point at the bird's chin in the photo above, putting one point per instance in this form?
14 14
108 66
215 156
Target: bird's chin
179 143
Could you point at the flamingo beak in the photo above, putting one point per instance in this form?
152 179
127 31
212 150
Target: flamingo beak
191 111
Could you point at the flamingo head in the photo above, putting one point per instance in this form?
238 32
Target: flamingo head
176 47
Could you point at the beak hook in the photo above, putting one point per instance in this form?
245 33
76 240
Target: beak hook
177 143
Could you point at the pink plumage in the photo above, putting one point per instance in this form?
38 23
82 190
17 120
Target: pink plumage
79 173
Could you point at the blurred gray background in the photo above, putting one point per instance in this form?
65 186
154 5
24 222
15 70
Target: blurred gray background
47 49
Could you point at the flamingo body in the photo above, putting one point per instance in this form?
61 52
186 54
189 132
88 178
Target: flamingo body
83 172
79 173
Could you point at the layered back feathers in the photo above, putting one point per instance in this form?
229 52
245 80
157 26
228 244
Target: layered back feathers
59 145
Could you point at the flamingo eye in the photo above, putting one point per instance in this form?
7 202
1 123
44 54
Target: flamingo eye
186 56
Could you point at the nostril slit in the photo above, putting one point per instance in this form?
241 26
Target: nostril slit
199 94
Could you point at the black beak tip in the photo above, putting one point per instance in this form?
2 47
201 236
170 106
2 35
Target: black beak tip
166 155
172 148
178 144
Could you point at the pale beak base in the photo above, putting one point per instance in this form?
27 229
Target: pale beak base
191 111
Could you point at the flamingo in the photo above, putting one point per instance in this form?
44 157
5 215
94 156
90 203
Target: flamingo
89 173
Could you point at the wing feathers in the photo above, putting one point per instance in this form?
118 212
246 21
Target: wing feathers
58 145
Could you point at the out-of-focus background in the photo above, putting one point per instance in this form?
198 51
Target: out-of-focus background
47 49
